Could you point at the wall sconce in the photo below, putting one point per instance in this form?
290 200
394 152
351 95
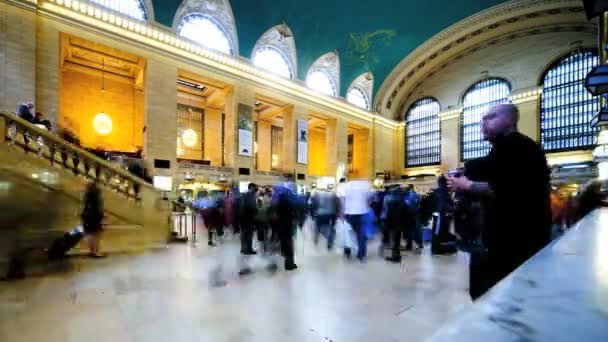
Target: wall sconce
102 124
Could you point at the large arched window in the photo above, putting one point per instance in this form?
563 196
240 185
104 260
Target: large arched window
205 31
209 23
360 91
423 136
274 60
566 108
324 74
132 8
320 81
478 99
275 51
358 97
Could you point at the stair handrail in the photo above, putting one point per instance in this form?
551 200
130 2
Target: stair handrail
49 136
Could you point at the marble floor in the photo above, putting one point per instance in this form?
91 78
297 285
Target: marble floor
167 296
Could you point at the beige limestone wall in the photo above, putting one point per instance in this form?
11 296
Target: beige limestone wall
529 118
383 149
264 145
81 100
30 55
450 146
17 57
161 116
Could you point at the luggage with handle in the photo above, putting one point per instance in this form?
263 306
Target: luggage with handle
62 245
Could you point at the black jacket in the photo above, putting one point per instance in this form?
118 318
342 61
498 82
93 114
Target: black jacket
519 219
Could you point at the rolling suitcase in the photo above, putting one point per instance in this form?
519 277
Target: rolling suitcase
63 244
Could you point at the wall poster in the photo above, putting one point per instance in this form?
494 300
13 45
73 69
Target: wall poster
245 130
302 142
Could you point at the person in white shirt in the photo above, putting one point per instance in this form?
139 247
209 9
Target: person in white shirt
356 197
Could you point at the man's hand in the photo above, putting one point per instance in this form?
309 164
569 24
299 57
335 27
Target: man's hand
459 184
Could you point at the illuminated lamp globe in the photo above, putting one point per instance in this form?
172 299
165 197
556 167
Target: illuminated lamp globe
102 124
189 137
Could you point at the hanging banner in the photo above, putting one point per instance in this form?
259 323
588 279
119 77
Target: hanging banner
302 142
245 130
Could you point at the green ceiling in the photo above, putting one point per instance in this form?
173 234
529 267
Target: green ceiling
393 27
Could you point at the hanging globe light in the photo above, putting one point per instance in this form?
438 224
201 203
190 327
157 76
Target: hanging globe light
102 124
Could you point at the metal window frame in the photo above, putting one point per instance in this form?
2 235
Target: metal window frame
471 141
566 108
423 135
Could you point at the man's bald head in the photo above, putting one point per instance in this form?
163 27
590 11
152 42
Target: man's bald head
509 110
500 120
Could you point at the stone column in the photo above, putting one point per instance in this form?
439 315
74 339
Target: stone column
160 139
450 142
245 95
336 145
398 151
362 160
529 123
290 140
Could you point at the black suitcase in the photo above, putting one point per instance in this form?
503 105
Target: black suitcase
63 244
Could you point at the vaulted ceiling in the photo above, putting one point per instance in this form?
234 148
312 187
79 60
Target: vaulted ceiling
384 31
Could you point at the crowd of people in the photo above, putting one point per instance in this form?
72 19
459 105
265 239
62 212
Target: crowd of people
479 209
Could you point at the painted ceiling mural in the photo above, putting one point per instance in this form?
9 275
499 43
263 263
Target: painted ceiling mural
368 35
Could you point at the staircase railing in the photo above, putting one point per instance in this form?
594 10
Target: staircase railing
21 133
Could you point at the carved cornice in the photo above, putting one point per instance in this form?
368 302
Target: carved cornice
487 28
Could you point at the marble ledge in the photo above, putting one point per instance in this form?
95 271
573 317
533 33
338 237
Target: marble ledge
561 294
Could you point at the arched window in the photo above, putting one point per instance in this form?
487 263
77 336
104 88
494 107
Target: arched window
205 31
478 99
275 51
566 108
318 80
423 138
133 8
274 60
360 91
357 97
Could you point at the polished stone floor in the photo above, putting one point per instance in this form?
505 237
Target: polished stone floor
166 296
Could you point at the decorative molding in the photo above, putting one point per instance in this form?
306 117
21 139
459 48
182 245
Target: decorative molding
450 114
219 10
474 33
526 95
158 40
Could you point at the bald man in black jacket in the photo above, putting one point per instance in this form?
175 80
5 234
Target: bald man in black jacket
516 181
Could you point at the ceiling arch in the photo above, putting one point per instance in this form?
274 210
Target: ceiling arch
501 23
373 41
